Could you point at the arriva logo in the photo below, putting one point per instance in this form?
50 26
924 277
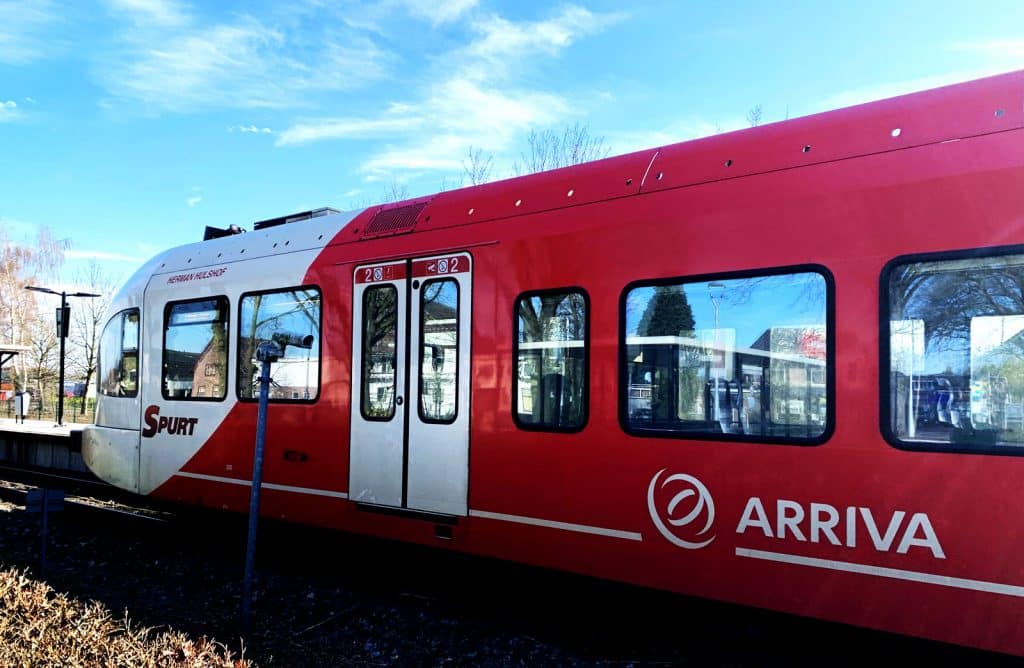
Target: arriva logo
684 487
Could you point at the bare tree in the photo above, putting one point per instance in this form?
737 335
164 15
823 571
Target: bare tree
754 116
22 265
41 358
476 166
395 191
87 321
550 150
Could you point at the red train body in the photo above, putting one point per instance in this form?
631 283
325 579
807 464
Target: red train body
801 457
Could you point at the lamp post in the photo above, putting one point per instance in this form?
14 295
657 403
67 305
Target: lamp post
715 291
63 318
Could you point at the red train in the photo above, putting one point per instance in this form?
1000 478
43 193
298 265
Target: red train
782 367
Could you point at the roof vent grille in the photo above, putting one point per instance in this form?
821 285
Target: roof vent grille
394 221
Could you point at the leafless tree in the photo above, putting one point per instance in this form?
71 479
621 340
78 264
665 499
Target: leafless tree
395 191
550 150
22 265
87 321
41 358
754 116
476 166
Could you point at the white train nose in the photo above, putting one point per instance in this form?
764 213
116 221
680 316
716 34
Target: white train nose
113 455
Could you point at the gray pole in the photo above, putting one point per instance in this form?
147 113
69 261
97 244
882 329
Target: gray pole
266 353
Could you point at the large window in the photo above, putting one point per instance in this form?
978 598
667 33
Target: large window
955 351
380 334
290 318
196 349
119 355
439 350
734 357
550 384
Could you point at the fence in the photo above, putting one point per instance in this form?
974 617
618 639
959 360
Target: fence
78 410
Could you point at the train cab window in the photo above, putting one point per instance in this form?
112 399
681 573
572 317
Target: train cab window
549 389
742 357
195 343
290 318
439 350
380 328
119 355
953 352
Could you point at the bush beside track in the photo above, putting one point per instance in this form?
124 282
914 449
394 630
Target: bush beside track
40 627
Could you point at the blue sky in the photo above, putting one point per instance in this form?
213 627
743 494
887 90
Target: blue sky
126 126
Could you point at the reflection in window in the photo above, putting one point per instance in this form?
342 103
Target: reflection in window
550 382
380 324
281 316
439 350
743 356
119 355
956 361
195 338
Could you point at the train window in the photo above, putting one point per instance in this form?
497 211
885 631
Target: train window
291 318
195 341
439 350
380 328
953 354
119 355
738 357
549 389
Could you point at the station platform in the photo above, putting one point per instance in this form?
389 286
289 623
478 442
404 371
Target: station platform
41 443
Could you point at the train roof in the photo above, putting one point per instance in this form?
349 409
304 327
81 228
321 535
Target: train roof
979 107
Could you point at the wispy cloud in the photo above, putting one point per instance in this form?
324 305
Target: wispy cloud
8 111
250 129
437 11
894 88
683 130
23 26
106 256
152 12
483 102
995 48
181 62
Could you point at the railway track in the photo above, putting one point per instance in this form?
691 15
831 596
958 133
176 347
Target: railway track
322 595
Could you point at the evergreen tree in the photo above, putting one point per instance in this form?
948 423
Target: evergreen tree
667 314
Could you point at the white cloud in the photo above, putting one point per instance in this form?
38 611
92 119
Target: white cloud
194 200
503 38
479 104
186 65
680 131
881 91
23 26
438 11
8 111
997 48
251 129
105 256
152 12
349 128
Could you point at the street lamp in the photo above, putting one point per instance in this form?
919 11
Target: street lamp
715 291
63 322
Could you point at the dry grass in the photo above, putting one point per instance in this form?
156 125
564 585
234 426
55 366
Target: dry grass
41 627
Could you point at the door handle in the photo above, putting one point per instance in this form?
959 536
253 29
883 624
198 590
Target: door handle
399 400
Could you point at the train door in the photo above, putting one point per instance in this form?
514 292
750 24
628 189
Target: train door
409 444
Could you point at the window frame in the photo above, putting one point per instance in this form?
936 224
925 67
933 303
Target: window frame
320 329
362 357
885 351
227 347
529 294
458 347
622 389
122 316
